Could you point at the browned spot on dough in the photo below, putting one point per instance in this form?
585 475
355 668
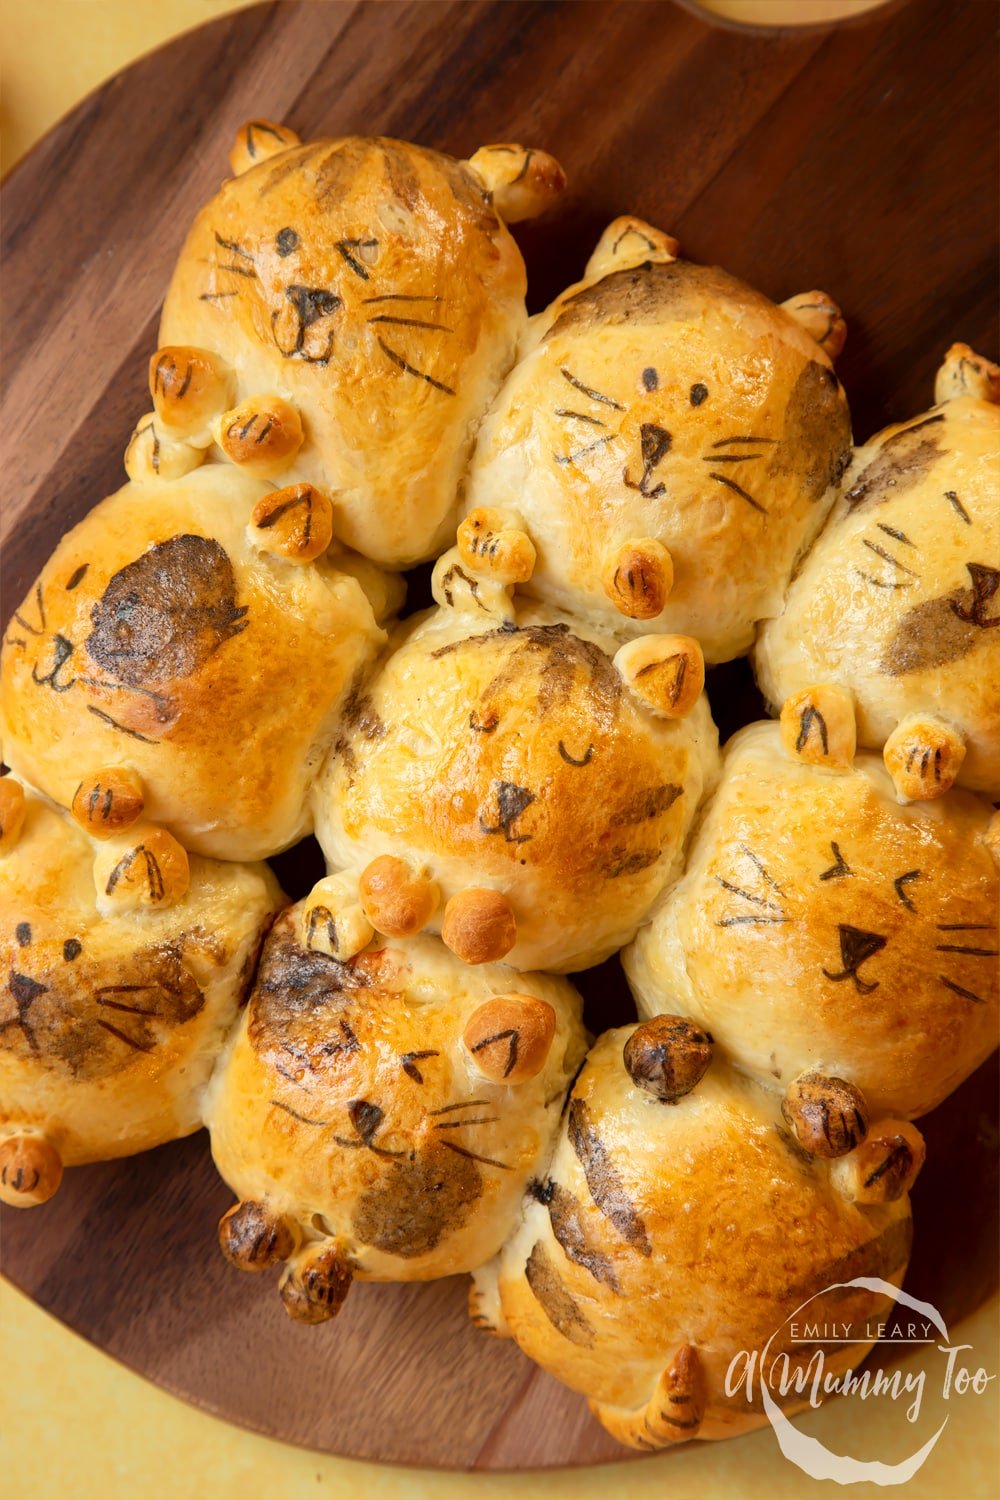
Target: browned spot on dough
92 1017
816 438
413 1204
164 615
562 660
651 293
555 1300
939 631
628 862
900 463
650 803
606 1187
290 1024
568 1228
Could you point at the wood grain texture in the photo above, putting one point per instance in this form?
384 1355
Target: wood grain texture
861 160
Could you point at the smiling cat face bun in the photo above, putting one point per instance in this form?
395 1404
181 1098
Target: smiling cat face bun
671 439
342 314
508 778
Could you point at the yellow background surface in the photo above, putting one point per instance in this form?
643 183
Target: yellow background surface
76 1425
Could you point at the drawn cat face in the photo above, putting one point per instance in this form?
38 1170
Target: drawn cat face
516 753
373 284
668 402
866 932
92 1016
942 572
159 620
357 1071
109 1020
900 596
154 630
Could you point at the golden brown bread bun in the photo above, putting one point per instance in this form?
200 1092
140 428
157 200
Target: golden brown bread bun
361 301
109 1023
164 648
671 1238
502 763
382 1118
671 439
898 600
820 927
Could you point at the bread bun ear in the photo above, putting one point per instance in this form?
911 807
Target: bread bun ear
821 318
629 241
31 1170
256 141
966 373
523 183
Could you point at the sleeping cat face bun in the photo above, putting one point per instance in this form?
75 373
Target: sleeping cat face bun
509 779
380 1119
899 600
171 662
677 1233
352 306
670 439
110 1020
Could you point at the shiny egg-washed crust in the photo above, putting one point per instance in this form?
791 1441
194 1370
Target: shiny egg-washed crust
898 600
669 1240
160 639
373 286
662 407
821 926
110 1025
350 1104
510 755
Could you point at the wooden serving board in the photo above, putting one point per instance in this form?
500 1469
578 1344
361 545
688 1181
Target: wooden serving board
862 160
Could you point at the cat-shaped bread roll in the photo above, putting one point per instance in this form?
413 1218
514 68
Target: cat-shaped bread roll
669 441
678 1232
894 617
507 780
342 314
178 659
838 945
110 1021
381 1119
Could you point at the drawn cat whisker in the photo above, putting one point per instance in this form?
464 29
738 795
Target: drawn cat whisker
446 1109
589 390
958 989
26 624
488 1161
410 323
409 369
730 442
568 458
233 247
401 297
579 416
888 557
892 531
730 484
881 583
461 1124
731 458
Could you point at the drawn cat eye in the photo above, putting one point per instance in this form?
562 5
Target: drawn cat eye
650 378
286 240
571 760
72 948
76 576
23 934
698 393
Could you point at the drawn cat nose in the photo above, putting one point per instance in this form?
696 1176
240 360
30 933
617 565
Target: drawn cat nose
655 444
366 1118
